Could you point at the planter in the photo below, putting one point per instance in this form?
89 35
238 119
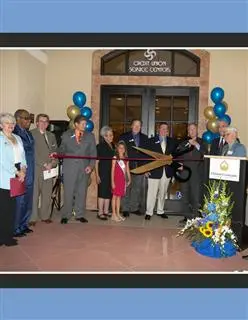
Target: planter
209 249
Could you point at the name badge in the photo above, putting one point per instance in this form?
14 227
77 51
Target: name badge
229 153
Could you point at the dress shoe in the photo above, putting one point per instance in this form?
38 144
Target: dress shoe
20 234
164 216
102 217
11 243
82 219
147 217
47 221
125 214
245 257
28 230
184 220
137 212
64 221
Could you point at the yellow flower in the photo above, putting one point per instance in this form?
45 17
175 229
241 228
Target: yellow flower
202 230
208 233
209 225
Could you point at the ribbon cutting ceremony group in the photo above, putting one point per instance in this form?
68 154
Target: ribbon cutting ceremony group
133 174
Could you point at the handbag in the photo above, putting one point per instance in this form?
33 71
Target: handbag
17 188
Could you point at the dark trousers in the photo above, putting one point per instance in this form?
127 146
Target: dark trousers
7 216
135 198
192 192
24 205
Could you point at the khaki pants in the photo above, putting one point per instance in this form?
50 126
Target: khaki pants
42 194
157 189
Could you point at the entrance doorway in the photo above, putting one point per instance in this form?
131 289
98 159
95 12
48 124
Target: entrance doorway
175 105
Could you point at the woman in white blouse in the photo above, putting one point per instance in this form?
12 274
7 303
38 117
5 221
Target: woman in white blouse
12 164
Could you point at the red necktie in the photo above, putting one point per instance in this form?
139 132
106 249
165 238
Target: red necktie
78 136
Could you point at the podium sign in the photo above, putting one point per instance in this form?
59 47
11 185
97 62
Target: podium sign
234 170
224 169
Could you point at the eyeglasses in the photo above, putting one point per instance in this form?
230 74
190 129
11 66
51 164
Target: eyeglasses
25 118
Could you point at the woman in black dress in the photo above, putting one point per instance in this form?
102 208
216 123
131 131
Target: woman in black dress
103 172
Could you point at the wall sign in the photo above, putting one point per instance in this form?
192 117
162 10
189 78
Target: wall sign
150 62
224 169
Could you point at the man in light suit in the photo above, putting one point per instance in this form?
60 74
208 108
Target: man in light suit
45 144
159 179
233 147
76 172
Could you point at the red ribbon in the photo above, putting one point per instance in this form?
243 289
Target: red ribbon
63 156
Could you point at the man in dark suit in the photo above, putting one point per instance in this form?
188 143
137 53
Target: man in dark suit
159 179
24 203
134 200
193 158
218 143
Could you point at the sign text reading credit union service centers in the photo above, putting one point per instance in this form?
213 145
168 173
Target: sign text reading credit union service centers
149 62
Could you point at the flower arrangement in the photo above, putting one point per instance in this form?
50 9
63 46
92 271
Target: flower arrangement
211 234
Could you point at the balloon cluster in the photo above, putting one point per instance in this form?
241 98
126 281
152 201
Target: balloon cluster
79 108
213 114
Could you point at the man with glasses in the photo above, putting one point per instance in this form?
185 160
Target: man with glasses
233 148
45 144
24 202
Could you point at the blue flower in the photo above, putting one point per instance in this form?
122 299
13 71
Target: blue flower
204 214
212 217
211 207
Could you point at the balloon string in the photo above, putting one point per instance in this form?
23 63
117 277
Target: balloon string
63 156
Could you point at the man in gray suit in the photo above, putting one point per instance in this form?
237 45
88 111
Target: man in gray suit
76 172
233 148
45 144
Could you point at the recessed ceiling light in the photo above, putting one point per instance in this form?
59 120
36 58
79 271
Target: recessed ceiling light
118 99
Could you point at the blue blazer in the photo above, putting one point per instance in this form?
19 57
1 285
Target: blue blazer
237 150
28 144
7 160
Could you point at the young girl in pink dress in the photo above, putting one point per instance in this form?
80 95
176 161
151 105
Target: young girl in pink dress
120 170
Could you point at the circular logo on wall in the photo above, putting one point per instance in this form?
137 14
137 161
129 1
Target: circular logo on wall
150 54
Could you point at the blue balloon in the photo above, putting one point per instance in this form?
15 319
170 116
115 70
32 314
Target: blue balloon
86 112
216 135
208 136
89 126
219 110
217 95
226 118
79 99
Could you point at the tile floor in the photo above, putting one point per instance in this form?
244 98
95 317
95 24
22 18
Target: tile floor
133 246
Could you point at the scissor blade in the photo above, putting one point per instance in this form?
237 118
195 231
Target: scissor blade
153 154
149 166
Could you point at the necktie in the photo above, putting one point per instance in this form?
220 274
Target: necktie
163 145
136 140
46 141
78 136
29 140
222 143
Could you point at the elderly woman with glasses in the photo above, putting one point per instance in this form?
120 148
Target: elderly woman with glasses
105 149
12 164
